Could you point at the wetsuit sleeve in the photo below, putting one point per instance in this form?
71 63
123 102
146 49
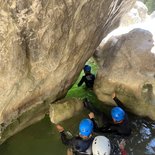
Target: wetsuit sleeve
119 103
95 125
109 128
81 81
93 77
65 140
96 128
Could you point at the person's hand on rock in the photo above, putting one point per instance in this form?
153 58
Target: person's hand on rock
113 95
59 128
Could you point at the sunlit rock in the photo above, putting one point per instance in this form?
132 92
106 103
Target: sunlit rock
65 109
127 66
152 15
138 14
44 46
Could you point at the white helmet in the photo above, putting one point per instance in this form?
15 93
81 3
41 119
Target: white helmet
101 146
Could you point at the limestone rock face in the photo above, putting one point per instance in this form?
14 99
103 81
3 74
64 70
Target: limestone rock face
138 14
64 109
43 47
127 67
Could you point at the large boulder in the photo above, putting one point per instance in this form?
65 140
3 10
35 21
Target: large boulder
44 45
138 14
127 66
64 109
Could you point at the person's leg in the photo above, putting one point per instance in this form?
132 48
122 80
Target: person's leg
96 111
91 107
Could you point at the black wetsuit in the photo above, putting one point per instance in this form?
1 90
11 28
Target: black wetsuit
122 129
78 145
88 79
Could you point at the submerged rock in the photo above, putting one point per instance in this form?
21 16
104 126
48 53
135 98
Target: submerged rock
127 66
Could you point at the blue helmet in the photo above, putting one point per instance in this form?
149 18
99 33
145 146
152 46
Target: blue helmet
117 114
87 68
86 127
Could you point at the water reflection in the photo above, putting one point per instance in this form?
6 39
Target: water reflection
43 139
150 148
143 132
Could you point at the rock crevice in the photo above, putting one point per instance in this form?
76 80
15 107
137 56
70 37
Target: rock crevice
44 46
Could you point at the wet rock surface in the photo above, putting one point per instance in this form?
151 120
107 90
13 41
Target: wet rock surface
138 14
64 109
127 67
44 45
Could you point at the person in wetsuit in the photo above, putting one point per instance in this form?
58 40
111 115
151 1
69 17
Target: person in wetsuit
88 78
81 144
119 123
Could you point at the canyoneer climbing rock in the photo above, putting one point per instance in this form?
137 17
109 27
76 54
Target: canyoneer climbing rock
88 78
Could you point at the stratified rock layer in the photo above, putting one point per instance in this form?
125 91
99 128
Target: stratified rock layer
44 45
127 67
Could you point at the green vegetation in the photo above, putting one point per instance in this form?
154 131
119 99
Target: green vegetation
150 5
82 92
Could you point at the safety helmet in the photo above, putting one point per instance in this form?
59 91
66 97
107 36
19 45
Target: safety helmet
86 127
117 114
87 68
101 146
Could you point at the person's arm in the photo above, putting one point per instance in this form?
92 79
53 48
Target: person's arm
118 102
109 128
93 77
81 81
92 116
64 138
96 129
